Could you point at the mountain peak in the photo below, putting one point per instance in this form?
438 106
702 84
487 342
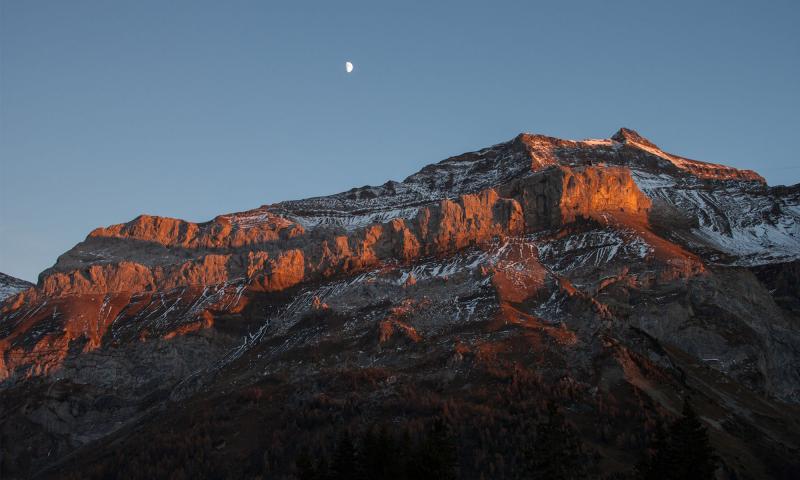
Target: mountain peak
627 135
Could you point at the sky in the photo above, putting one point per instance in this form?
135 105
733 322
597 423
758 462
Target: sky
192 109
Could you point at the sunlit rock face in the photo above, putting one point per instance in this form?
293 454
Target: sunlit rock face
154 253
622 275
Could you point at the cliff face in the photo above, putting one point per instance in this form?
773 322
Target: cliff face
622 270
154 253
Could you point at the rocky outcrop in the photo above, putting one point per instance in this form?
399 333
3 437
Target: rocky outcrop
559 196
226 231
10 286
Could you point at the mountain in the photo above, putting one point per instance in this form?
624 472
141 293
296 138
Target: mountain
10 286
605 280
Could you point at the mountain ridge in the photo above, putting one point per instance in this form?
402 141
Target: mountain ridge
525 153
10 286
605 275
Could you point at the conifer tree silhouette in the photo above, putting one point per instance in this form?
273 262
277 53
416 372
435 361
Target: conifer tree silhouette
686 452
557 452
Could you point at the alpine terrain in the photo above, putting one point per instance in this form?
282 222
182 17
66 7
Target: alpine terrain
541 308
11 286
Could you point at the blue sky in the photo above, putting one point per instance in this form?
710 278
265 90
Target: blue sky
192 109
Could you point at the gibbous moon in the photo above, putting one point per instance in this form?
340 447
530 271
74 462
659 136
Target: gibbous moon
348 67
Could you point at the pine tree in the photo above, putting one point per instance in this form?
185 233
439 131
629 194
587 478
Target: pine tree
344 465
684 453
653 465
378 459
435 457
557 452
691 456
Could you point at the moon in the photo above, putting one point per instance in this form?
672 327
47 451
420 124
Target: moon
348 67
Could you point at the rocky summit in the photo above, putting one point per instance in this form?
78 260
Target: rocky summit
604 280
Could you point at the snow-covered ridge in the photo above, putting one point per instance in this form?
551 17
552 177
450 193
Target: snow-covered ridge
358 207
736 214
467 173
746 223
705 170
490 167
10 286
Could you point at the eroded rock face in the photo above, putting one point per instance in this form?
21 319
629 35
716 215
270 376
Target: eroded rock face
149 253
225 231
627 273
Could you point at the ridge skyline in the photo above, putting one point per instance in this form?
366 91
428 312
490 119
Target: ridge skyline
619 131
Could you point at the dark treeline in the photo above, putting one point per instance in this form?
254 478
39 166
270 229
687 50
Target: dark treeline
381 454
681 451
521 429
552 451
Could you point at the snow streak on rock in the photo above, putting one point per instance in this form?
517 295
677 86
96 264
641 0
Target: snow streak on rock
750 222
10 286
592 249
359 207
